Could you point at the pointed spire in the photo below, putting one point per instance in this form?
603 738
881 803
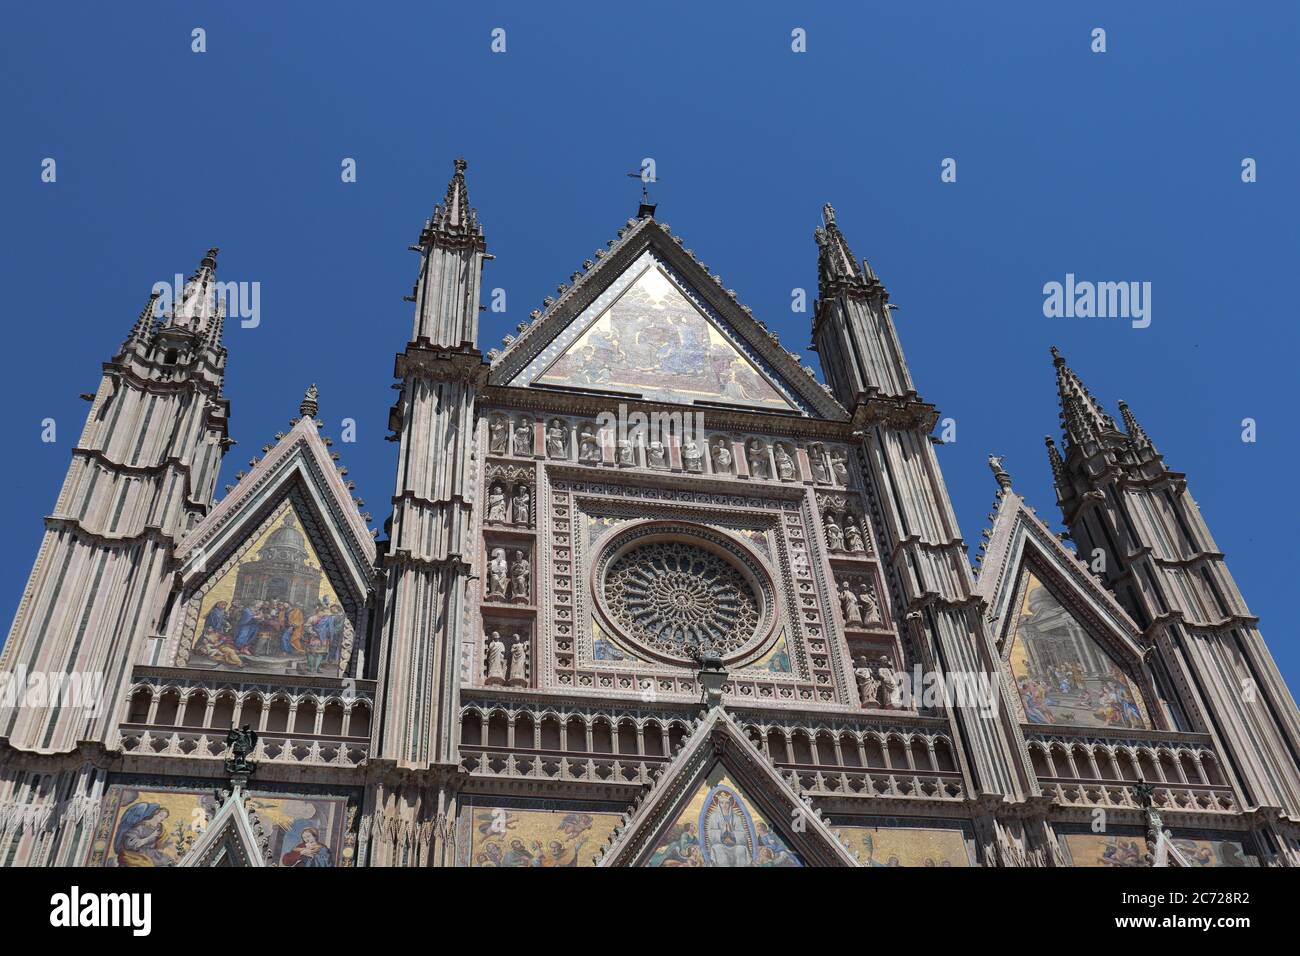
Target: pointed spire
198 305
453 222
309 405
835 260
142 331
1082 416
1134 430
1057 463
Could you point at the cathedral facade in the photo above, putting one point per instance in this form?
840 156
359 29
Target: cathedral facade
650 595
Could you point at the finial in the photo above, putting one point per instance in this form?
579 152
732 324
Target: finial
460 164
1057 357
308 407
1000 473
828 214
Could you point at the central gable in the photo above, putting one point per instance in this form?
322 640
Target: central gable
655 341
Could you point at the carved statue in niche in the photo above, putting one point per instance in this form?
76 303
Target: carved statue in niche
557 439
656 455
520 574
817 459
626 458
524 437
588 445
522 504
692 459
756 453
834 536
849 604
518 661
498 435
496 659
840 466
721 456
891 690
852 534
868 685
784 463
867 601
497 571
496 509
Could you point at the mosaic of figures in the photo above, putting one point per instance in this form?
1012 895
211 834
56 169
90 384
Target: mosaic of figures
719 826
1125 850
662 442
904 842
274 610
141 828
652 341
503 836
1062 674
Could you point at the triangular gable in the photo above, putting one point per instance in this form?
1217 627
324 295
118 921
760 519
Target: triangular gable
697 328
289 533
720 802
229 839
1072 654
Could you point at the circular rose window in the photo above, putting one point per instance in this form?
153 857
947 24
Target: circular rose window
674 591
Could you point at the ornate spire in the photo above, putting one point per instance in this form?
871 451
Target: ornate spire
198 305
309 404
142 331
1081 416
1058 464
835 260
453 222
1131 426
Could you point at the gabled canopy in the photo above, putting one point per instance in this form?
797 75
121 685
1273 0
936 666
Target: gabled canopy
720 802
229 839
1073 655
647 320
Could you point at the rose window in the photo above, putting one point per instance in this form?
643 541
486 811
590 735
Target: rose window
677 598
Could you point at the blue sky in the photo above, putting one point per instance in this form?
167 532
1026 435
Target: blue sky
1117 166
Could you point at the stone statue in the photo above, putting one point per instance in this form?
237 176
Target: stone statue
242 741
834 536
496 510
721 457
890 687
522 505
692 460
868 686
625 456
757 456
849 603
557 439
588 446
518 661
498 435
520 573
656 455
840 465
784 463
524 437
496 660
867 601
852 534
817 458
497 570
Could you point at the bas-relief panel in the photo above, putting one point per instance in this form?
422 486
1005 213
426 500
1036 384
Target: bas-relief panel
720 827
654 342
1062 674
505 836
1124 850
142 828
901 845
273 611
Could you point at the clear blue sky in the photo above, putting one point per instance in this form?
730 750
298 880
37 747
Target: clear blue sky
1116 166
